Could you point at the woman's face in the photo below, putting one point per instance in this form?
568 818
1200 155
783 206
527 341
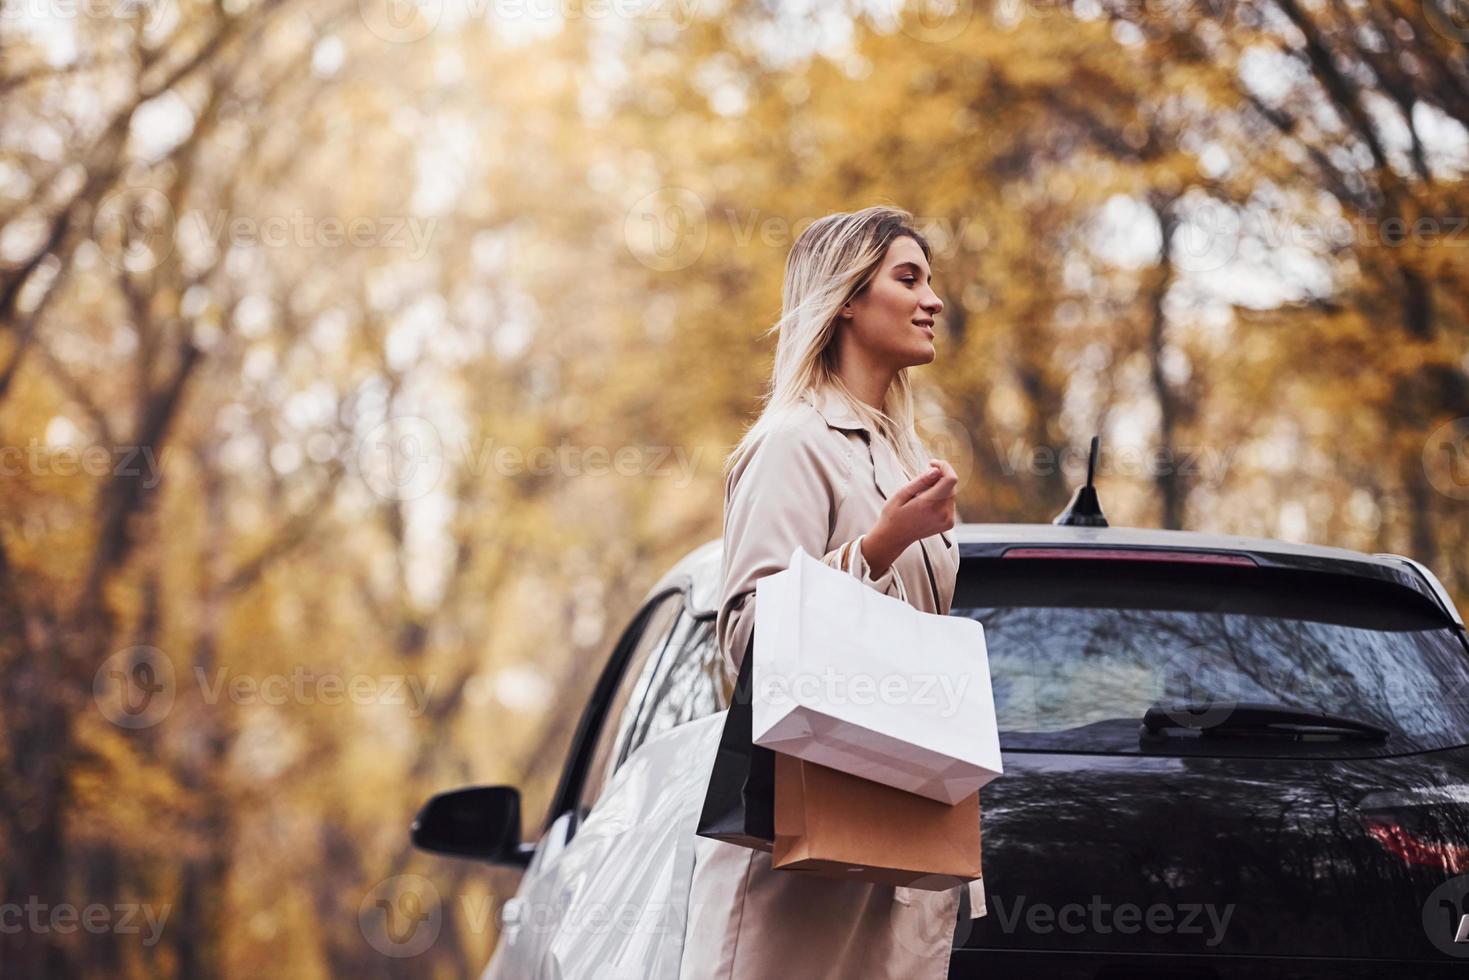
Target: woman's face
893 318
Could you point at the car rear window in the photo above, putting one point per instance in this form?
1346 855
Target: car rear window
1079 651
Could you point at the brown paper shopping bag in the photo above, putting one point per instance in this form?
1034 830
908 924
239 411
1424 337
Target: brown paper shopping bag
837 825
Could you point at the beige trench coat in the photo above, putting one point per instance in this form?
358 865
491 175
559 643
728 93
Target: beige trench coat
819 480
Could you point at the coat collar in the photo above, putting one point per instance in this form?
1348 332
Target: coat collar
887 472
834 409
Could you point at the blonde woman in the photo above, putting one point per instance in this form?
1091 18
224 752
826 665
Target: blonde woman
833 464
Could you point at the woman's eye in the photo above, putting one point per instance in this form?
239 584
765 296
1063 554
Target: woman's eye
910 278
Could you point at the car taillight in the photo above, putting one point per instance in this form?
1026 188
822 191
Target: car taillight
1426 826
1403 844
1133 554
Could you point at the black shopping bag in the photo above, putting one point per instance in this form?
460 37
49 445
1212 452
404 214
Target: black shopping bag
739 806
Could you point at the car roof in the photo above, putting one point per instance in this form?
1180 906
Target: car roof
699 571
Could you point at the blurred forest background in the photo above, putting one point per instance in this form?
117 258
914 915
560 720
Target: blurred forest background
279 279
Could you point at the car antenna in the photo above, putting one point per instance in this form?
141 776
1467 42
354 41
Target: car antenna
1085 510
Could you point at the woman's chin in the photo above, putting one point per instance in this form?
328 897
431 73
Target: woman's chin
916 356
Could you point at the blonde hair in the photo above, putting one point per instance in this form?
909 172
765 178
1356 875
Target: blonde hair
832 263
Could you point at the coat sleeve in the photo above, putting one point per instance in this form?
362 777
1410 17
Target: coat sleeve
781 494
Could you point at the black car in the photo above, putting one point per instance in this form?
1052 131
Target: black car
1223 756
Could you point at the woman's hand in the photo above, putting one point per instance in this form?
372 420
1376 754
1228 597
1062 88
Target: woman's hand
921 508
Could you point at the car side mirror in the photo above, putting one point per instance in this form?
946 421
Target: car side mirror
481 822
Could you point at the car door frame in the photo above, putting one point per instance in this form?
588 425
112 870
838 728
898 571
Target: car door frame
668 661
567 797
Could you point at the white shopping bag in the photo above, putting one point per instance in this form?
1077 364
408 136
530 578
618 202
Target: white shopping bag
847 677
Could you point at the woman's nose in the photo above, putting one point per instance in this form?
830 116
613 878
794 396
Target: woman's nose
933 305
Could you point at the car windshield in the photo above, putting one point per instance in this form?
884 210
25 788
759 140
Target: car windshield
1080 650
